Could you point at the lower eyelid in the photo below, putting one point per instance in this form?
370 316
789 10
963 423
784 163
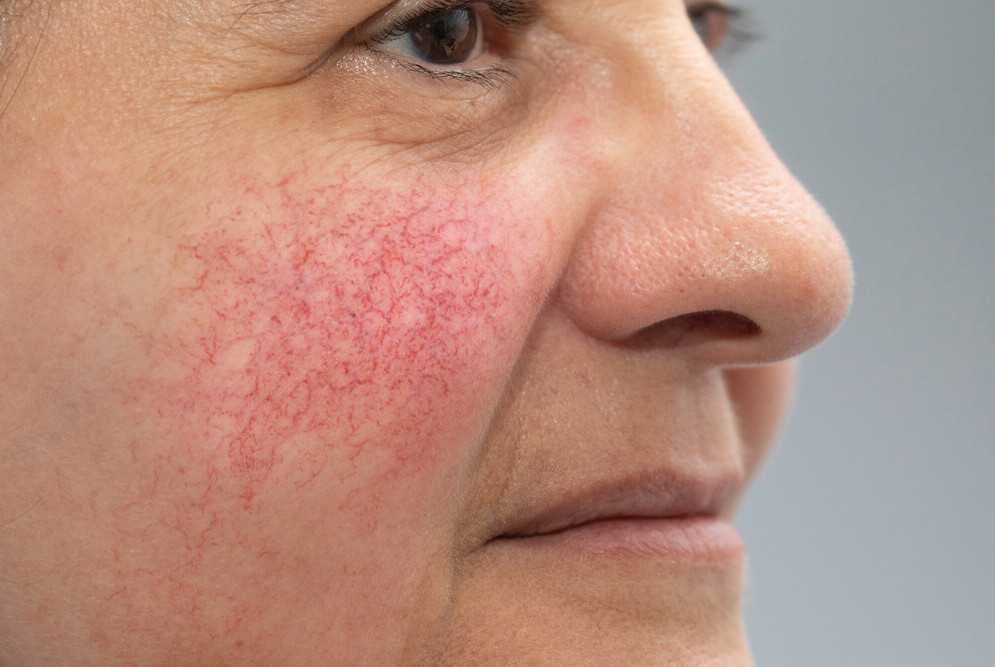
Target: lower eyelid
488 78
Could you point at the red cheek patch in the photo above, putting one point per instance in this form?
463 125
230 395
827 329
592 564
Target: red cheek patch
321 327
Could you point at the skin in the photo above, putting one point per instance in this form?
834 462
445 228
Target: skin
288 340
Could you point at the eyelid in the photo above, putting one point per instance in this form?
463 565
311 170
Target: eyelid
398 25
506 16
742 27
509 13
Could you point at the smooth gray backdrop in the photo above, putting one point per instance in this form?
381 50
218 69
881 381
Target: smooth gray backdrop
871 531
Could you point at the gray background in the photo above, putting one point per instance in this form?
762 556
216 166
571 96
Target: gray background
871 532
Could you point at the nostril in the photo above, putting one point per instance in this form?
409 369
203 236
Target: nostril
693 328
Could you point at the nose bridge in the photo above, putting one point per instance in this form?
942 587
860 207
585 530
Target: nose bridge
696 214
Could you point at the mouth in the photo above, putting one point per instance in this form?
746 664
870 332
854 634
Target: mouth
680 517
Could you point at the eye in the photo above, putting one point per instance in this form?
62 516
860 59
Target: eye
443 37
714 22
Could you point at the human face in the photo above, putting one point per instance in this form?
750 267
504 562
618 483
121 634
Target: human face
317 351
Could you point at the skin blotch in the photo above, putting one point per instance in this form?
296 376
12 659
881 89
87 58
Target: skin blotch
316 331
311 376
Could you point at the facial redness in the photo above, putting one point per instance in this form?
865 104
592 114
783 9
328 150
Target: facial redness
279 393
323 326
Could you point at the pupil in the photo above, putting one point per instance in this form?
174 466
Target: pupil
446 38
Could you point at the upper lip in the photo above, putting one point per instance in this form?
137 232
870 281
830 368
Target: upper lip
664 494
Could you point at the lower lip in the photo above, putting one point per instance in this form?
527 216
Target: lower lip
703 539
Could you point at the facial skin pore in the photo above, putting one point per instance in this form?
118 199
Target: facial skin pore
295 338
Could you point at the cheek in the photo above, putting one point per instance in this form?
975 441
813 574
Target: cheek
348 331
319 375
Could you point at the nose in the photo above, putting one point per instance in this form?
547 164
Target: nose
696 237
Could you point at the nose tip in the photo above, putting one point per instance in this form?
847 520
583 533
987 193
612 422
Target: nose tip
734 261
789 270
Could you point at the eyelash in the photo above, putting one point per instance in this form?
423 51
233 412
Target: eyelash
509 13
512 14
